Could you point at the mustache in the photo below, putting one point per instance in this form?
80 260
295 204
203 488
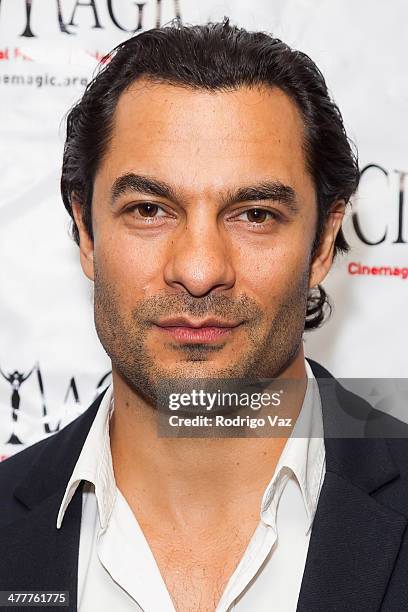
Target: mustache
216 305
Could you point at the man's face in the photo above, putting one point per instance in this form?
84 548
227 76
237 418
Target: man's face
202 209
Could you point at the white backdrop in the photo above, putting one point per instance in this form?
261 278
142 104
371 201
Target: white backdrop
50 358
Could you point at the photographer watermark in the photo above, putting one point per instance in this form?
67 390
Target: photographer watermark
324 407
227 408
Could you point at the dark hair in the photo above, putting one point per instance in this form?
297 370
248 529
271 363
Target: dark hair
215 56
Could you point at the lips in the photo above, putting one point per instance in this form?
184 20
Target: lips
185 322
207 330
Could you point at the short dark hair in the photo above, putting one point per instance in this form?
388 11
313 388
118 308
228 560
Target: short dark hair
215 56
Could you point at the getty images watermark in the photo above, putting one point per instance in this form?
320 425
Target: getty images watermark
228 408
325 407
203 400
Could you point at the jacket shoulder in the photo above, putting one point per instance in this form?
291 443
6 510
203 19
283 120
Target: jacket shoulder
13 468
43 466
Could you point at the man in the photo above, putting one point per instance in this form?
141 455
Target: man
207 173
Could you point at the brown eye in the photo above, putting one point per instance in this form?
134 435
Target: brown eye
148 210
257 215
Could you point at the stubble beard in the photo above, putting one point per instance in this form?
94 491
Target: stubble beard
268 353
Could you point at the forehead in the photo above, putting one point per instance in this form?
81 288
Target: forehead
205 139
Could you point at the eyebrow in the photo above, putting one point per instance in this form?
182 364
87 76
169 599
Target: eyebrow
266 190
137 183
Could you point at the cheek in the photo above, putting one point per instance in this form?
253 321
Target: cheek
129 266
272 273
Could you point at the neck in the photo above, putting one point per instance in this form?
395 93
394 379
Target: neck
200 476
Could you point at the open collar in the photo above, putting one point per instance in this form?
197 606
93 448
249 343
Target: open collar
94 465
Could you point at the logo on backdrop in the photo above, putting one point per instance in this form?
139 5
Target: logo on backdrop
96 8
16 379
397 209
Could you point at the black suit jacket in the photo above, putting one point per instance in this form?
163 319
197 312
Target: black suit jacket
358 552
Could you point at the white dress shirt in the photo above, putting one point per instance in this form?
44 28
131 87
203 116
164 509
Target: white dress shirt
117 570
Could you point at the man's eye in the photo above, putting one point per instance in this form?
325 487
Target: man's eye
147 210
259 215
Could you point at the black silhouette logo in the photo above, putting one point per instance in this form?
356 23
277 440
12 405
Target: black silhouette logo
16 379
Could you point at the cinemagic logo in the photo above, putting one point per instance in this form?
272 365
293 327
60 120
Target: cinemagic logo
395 208
67 14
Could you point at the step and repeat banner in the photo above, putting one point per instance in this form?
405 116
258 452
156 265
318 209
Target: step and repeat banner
51 363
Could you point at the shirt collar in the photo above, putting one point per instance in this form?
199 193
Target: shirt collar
95 465
303 455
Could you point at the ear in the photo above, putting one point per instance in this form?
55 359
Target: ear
86 246
323 257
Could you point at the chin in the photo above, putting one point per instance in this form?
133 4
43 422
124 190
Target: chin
194 368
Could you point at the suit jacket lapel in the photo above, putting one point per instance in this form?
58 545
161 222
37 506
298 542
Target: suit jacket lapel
355 539
353 547
35 555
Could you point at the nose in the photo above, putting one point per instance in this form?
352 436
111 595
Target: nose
199 259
